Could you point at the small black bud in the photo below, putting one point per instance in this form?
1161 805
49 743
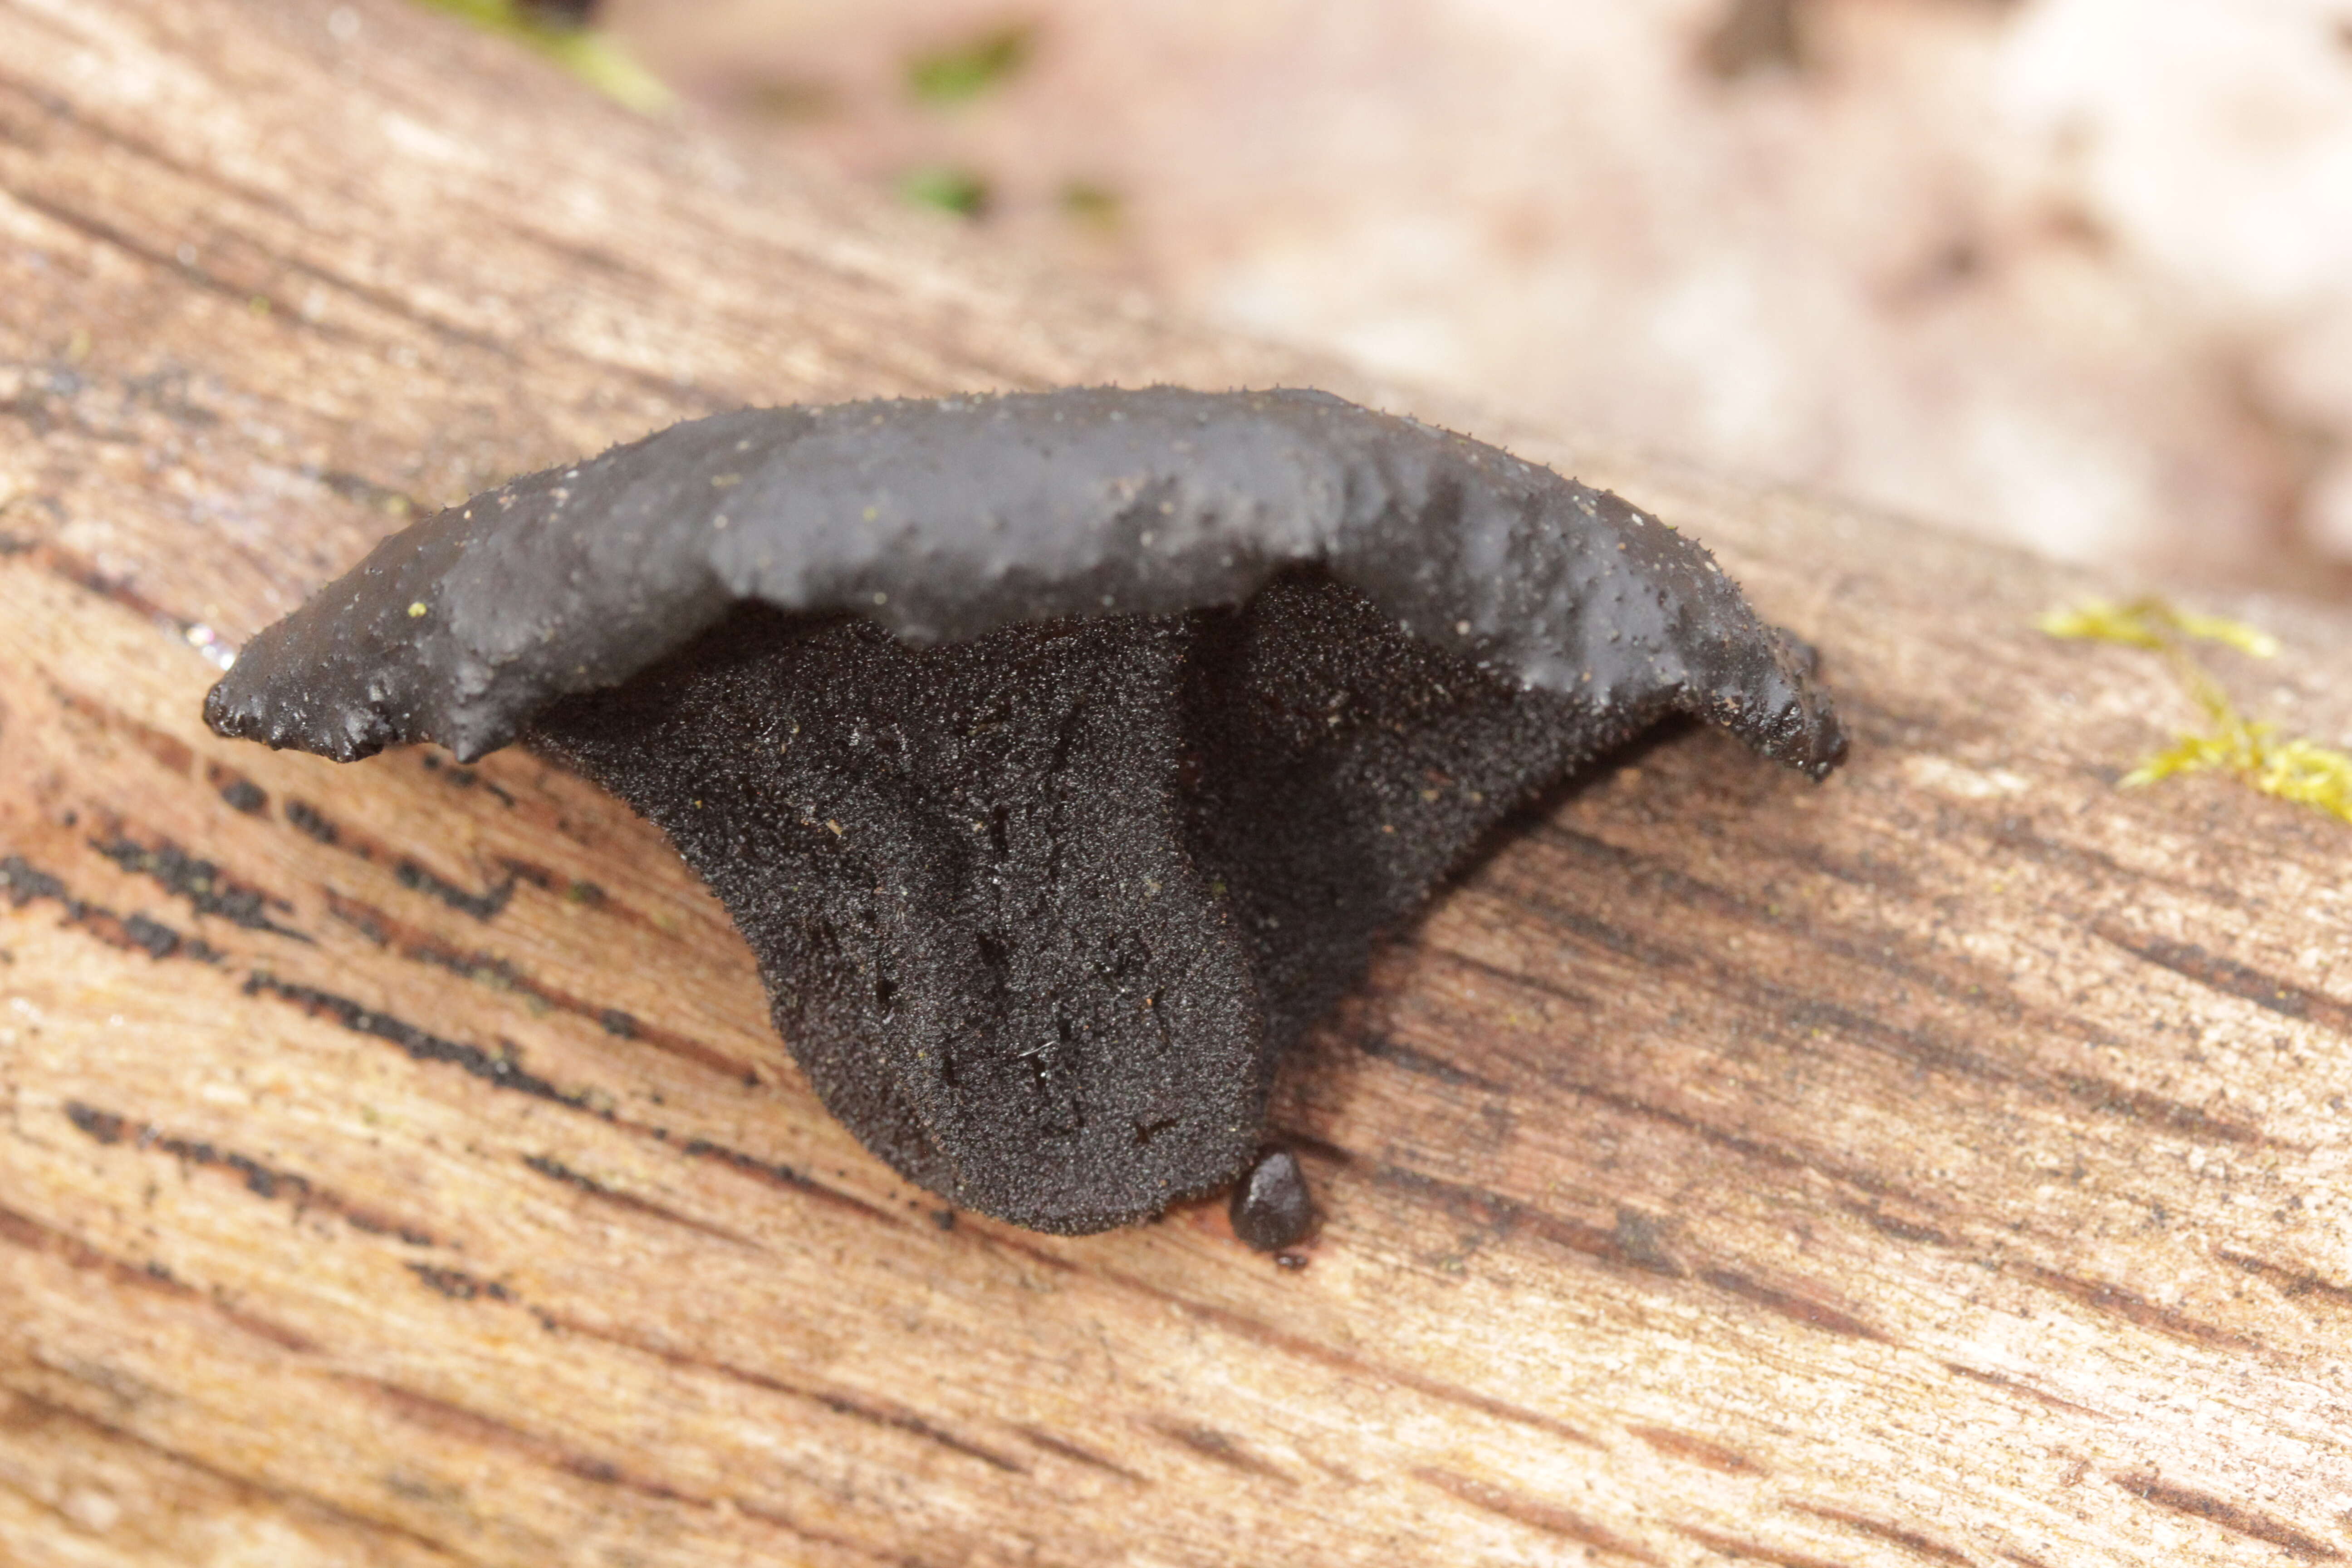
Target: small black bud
1270 1207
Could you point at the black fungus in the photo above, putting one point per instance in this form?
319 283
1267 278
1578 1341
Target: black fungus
1059 755
1270 1208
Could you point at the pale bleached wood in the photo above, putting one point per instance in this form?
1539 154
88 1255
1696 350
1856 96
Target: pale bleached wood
1944 1165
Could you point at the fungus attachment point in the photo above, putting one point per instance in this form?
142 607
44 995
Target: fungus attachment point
1270 1208
1042 894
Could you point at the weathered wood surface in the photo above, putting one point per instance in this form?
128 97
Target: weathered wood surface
1947 1164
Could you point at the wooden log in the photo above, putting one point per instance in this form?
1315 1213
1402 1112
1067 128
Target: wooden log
1947 1164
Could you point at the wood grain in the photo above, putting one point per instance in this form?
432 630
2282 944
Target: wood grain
1947 1164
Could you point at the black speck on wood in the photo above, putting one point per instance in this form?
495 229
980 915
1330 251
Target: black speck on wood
1060 755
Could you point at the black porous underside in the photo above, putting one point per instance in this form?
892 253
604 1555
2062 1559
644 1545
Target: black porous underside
1040 912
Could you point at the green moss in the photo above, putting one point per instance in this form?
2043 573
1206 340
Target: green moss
592 55
2156 625
961 72
949 189
2290 768
1093 205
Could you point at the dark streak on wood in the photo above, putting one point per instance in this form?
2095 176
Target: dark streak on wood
485 906
2149 1488
1458 1201
1076 1455
24 1231
1797 1306
212 179
784 1176
393 305
1698 1451
1758 1149
1382 1048
1636 1239
2103 1095
168 751
1363 1372
406 870
1533 1512
25 883
1732 1546
1220 1447
2019 1385
1920 1048
865 1409
199 881
1550 989
500 1070
1887 1224
109 1127
419 945
83 574
245 1487
504 1071
311 822
2014 834
240 793
914 1425
2294 1284
2231 978
279 1334
31 1235
591 258
1910 1540
556 1171
459 1286
450 1420
1635 1242
2134 1307
1917 1046
1980 992
105 234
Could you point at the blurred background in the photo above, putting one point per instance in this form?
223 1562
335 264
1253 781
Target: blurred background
2072 273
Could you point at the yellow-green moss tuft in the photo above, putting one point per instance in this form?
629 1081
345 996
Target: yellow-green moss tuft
587 53
2293 768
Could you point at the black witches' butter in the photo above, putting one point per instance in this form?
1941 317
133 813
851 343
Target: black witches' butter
1060 755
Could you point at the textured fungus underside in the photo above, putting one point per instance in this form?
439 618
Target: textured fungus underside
1041 911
